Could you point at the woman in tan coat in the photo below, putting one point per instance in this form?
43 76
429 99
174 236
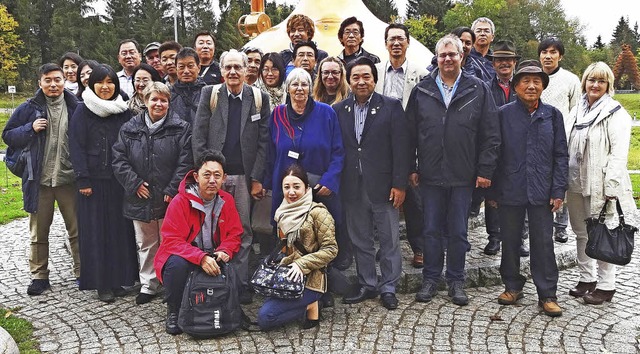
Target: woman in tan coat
304 224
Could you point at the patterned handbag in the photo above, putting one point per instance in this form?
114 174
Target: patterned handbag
270 279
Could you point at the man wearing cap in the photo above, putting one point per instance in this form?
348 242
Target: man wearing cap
152 57
531 179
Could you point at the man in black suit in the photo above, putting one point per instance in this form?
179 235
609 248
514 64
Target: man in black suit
374 179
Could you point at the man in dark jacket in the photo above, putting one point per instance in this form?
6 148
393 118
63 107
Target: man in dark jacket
374 179
454 128
205 46
351 36
485 32
185 93
39 128
531 178
300 28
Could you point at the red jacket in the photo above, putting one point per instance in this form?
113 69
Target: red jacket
182 224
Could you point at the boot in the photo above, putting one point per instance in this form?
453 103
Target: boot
599 296
171 324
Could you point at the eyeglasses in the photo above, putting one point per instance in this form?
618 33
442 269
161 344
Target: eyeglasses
594 81
270 70
451 55
236 67
145 80
398 39
131 53
355 33
330 72
298 85
483 30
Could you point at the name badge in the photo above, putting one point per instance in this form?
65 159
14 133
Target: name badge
255 117
293 154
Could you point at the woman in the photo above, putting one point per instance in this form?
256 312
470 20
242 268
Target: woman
271 78
304 224
143 75
69 63
598 131
84 71
107 244
332 87
150 158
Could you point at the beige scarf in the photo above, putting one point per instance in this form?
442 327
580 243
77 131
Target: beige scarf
291 216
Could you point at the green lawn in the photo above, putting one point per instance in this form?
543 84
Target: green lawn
5 100
10 196
630 102
20 330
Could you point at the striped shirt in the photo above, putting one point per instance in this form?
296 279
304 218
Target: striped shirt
360 111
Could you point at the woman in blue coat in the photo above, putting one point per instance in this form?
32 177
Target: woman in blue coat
107 246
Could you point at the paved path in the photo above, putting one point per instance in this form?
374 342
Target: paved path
67 320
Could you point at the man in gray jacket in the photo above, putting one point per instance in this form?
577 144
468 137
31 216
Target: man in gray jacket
233 119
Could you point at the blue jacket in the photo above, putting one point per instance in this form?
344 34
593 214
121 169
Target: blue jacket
18 133
484 66
498 93
533 166
185 99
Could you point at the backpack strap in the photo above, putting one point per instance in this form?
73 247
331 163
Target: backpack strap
257 98
213 102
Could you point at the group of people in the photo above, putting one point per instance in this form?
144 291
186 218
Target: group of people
161 154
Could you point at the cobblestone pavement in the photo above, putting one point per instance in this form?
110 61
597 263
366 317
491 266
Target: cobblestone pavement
67 320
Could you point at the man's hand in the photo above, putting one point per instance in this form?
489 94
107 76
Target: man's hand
86 191
483 182
167 199
322 191
143 191
397 197
257 192
492 203
414 179
39 125
556 203
221 256
295 273
210 266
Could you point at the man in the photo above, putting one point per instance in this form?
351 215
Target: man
254 59
532 179
129 58
185 93
454 129
351 36
152 57
200 209
235 127
376 142
563 92
397 78
205 46
304 56
40 125
485 31
300 28
168 52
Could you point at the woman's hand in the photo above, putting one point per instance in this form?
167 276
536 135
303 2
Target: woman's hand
322 191
167 199
143 192
295 273
86 191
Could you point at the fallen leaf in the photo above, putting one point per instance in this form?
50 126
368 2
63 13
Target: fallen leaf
495 318
7 314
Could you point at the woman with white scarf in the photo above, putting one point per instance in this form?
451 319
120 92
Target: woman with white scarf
309 231
598 131
107 243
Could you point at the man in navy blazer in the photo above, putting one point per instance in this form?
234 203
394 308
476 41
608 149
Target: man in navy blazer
375 176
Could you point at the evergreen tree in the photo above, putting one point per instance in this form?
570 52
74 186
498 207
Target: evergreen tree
434 8
385 10
278 13
227 34
200 18
122 15
154 22
623 34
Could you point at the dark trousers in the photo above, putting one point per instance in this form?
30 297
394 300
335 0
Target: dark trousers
491 215
174 275
276 312
544 269
414 218
445 208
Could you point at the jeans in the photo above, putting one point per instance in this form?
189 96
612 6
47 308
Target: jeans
276 312
174 274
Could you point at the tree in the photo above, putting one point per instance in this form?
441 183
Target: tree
278 13
423 28
10 44
227 34
121 15
626 69
623 34
598 44
435 8
153 21
385 10
200 17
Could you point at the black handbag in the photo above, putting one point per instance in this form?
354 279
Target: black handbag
612 246
270 279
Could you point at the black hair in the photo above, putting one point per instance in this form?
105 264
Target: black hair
278 63
203 33
47 68
188 52
70 56
101 72
169 45
348 22
399 26
297 171
362 61
129 40
306 44
210 155
458 31
551 42
90 63
155 76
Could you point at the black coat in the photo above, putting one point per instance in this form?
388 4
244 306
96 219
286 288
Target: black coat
161 159
185 99
211 74
498 93
454 144
383 151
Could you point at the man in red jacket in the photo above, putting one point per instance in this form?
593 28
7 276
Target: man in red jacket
200 209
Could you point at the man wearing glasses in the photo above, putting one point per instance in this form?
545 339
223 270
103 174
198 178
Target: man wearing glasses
229 120
129 58
351 36
304 56
484 29
454 128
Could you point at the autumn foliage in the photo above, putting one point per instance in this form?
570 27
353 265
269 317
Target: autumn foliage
626 69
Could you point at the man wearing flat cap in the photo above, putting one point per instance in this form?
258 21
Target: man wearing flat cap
531 178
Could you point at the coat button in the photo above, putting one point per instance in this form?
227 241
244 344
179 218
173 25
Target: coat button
359 149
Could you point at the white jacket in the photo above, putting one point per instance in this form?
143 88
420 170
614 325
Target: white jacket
608 147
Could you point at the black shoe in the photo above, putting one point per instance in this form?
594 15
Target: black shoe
561 236
106 296
362 295
119 292
143 298
327 300
38 286
457 294
492 248
308 324
246 297
524 250
428 291
389 301
171 324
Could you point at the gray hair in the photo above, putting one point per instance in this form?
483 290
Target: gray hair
249 50
298 74
243 55
449 39
483 20
155 87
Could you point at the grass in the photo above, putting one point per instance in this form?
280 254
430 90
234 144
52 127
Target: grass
4 117
20 330
10 196
630 102
5 100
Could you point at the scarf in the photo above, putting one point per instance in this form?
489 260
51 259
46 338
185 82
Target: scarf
103 108
585 116
71 86
276 94
291 216
136 104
